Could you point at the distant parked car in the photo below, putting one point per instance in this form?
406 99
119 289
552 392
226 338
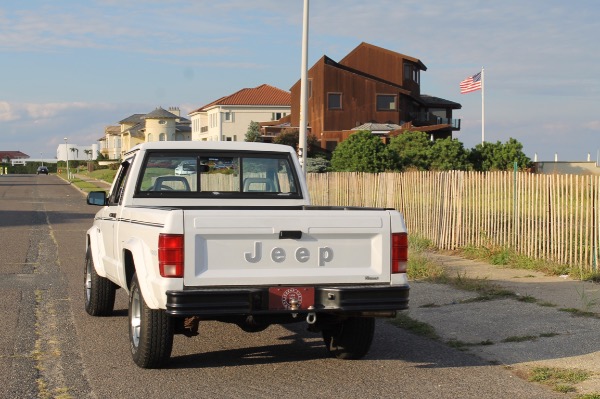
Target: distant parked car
186 168
42 170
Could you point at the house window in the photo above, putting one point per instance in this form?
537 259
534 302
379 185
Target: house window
412 72
162 137
149 137
162 122
309 88
275 116
386 102
334 100
228 116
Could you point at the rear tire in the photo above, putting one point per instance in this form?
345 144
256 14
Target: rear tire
99 292
351 338
150 331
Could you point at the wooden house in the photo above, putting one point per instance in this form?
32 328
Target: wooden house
370 85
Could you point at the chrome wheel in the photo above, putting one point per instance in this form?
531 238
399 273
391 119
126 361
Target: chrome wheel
88 281
135 318
150 331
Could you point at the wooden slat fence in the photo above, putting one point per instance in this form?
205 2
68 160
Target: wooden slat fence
550 217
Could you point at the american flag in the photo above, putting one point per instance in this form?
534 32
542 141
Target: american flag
472 83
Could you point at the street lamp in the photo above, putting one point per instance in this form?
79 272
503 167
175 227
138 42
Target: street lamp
302 134
42 158
67 151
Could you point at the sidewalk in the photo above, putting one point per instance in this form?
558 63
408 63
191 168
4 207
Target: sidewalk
545 328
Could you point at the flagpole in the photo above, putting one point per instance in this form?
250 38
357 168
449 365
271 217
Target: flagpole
482 107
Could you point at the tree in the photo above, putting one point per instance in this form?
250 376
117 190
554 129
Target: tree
413 149
291 137
363 152
317 165
498 156
73 149
449 154
88 153
253 133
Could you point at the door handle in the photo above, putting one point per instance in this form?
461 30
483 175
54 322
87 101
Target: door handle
112 215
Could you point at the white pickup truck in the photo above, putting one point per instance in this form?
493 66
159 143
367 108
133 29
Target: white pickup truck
225 231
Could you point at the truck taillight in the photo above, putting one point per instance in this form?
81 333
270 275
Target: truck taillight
399 252
170 255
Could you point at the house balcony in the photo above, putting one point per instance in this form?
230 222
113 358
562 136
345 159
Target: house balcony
428 119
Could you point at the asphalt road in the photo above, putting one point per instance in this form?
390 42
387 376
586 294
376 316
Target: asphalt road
49 346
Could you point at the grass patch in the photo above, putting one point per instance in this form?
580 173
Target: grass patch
588 396
561 380
419 244
578 313
522 338
501 256
525 338
546 304
420 266
526 299
549 335
487 291
416 327
106 175
460 345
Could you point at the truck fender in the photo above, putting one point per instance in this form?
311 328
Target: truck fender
143 262
95 245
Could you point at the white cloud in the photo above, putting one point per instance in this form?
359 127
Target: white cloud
7 112
592 125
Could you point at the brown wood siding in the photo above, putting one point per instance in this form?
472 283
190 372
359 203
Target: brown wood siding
358 100
377 62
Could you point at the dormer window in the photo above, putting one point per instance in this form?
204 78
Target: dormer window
412 72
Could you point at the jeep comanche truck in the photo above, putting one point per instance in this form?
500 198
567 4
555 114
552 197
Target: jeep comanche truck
225 231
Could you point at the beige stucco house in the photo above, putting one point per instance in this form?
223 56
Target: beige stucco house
158 125
228 118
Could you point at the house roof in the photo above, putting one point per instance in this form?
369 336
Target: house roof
378 127
12 155
432 101
364 45
136 130
260 95
133 119
160 113
112 130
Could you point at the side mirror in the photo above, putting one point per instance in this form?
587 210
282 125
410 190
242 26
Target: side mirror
96 198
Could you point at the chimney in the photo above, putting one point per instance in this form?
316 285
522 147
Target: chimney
175 110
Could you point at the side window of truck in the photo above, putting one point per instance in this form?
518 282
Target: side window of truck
116 196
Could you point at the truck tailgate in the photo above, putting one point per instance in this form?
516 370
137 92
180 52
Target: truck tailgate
286 247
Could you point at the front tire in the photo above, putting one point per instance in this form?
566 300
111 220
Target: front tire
99 292
351 338
150 331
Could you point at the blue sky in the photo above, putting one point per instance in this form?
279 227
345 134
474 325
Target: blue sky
69 68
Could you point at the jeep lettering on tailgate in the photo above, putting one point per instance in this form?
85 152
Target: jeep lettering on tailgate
278 255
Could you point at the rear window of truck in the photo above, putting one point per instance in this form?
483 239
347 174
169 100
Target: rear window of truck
206 174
